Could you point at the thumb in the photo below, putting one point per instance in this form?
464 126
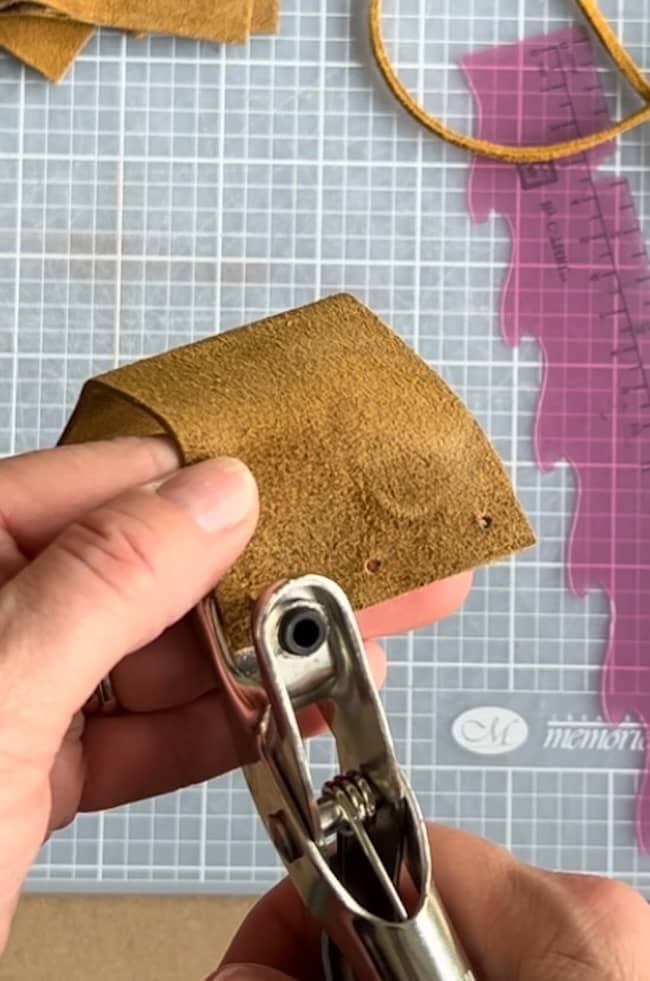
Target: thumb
112 582
249 972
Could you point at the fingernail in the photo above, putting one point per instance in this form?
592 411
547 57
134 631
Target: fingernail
217 494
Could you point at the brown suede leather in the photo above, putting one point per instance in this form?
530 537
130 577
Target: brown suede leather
49 45
265 18
48 35
371 471
211 20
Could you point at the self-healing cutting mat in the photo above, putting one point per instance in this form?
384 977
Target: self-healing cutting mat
169 188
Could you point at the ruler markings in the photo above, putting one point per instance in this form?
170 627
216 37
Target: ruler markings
579 283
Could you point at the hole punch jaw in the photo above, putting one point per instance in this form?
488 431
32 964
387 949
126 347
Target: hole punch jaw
345 849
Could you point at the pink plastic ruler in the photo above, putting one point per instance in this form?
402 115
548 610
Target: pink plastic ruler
579 282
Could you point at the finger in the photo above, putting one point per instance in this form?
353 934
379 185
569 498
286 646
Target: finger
133 756
417 608
175 670
112 582
43 491
520 922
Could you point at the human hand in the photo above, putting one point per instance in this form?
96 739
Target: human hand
516 922
103 549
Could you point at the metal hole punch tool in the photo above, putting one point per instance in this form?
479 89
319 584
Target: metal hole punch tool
358 852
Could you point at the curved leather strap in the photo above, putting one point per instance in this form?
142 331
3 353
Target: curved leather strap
530 153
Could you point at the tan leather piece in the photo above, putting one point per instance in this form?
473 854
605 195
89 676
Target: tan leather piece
210 20
47 44
31 10
26 31
265 14
265 17
371 470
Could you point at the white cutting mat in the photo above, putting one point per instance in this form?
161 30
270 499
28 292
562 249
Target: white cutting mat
168 189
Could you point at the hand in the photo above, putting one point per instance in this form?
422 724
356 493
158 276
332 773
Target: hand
517 923
103 550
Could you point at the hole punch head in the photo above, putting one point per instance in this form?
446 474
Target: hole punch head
302 631
485 521
373 566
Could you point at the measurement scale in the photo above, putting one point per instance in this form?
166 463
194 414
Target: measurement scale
579 282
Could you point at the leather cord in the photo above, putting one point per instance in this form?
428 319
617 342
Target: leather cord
526 153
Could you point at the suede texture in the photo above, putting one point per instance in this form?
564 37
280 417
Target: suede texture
370 469
48 36
49 45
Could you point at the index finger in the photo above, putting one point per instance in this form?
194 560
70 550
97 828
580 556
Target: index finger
419 608
43 491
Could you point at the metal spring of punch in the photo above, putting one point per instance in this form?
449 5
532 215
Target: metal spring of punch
358 852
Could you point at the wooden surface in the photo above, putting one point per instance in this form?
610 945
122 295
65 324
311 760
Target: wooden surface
120 938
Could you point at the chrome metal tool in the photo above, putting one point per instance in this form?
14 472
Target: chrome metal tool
357 852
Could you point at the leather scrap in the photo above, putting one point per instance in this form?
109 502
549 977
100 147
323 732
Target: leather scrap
265 17
12 9
46 44
370 469
210 20
24 29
